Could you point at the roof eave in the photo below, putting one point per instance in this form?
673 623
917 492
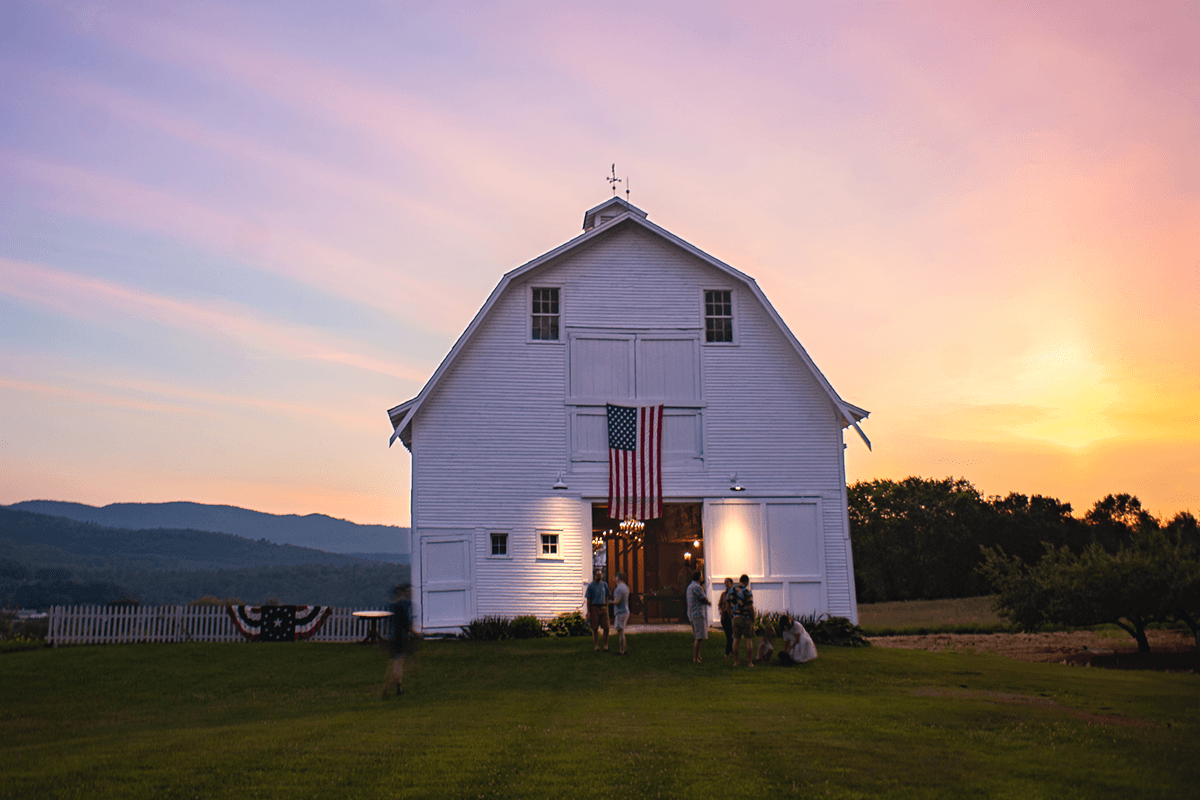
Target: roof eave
412 406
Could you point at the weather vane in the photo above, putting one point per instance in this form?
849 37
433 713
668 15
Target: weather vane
614 180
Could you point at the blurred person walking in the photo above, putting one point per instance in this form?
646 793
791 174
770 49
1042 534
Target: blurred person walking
403 641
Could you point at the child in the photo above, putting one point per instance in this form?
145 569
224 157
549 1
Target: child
766 645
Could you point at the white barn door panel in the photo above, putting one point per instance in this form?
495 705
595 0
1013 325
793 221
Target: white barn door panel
668 368
794 539
778 542
796 555
683 435
447 599
601 366
733 539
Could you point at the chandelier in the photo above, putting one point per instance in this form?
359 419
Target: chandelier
629 530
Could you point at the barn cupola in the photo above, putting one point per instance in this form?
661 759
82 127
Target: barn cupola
607 211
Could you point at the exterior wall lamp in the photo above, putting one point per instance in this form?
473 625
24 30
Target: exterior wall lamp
560 483
734 486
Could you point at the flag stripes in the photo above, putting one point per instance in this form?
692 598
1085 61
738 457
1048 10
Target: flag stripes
635 462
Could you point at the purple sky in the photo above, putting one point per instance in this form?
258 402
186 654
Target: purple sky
231 236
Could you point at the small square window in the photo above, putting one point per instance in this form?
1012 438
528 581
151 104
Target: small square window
499 544
549 544
718 315
544 314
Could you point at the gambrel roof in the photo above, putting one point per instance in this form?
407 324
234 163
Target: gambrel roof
598 221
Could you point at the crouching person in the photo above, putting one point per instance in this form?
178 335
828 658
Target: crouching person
798 646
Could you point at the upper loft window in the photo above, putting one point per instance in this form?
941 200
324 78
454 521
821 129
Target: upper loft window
718 315
544 314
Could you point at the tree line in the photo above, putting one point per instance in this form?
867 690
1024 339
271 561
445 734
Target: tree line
924 539
358 585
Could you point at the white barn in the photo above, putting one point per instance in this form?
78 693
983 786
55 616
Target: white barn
509 438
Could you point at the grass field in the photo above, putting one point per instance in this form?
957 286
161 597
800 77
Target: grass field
548 718
931 614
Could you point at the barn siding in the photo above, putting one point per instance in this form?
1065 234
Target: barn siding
490 440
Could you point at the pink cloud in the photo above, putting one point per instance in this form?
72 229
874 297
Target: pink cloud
412 134
99 300
315 175
292 253
86 397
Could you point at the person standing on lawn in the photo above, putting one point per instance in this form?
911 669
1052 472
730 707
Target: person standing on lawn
596 598
726 616
741 604
402 640
697 608
621 611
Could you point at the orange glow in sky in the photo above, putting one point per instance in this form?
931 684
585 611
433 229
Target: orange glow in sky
232 236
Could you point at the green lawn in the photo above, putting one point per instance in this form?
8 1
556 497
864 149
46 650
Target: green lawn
548 718
930 613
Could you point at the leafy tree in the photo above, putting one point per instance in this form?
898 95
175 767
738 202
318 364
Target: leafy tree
1130 574
1183 535
1114 520
1025 524
918 538
13 570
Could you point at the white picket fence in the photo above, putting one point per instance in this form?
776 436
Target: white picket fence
126 624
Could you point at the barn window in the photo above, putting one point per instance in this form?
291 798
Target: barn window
499 544
550 544
544 314
718 315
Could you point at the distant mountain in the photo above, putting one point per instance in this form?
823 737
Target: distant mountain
377 542
44 541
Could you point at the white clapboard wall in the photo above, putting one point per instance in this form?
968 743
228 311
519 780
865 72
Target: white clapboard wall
129 624
510 415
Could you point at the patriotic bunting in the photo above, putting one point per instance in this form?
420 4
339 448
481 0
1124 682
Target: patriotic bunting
278 623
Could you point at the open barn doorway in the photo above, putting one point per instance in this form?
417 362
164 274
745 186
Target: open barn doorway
658 560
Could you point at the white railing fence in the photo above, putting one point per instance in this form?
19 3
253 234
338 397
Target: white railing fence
125 624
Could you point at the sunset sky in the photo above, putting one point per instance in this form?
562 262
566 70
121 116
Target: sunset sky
232 236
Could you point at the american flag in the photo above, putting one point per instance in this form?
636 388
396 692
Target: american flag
635 462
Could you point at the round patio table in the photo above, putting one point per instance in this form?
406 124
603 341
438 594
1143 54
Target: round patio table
373 617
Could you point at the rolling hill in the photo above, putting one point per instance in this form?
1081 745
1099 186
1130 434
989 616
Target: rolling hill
316 531
43 541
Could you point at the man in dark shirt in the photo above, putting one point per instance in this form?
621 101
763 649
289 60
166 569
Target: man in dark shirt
596 597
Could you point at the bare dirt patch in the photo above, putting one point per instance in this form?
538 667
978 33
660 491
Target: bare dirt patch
1174 649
